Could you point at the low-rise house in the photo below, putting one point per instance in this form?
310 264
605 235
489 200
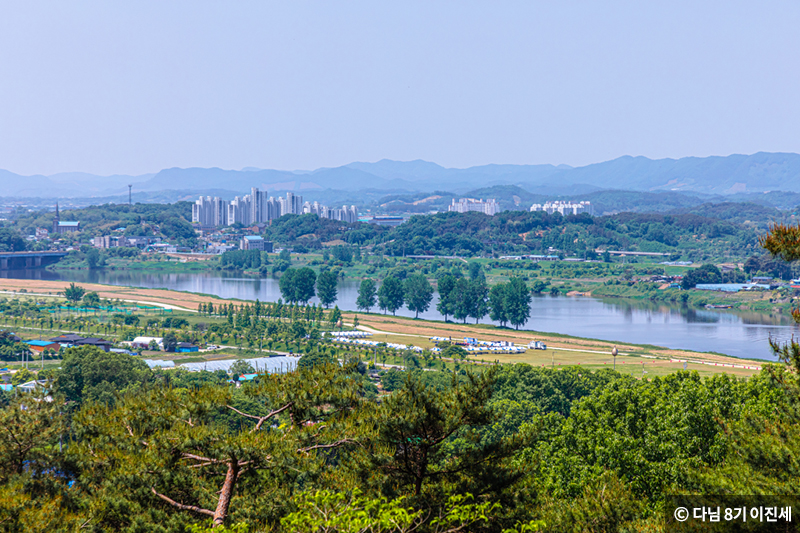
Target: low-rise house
92 341
67 340
183 347
41 346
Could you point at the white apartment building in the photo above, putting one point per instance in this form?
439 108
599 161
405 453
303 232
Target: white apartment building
464 205
247 210
565 208
345 214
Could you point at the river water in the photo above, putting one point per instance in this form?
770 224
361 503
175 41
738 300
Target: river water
741 334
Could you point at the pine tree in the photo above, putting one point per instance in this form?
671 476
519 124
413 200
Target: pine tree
170 456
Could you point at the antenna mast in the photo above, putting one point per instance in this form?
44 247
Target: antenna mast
129 194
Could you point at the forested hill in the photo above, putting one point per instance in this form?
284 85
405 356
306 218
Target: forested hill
170 221
689 236
737 212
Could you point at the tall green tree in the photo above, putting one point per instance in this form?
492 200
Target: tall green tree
391 294
170 341
419 426
445 304
518 302
91 299
460 298
297 284
475 271
418 294
92 258
74 293
497 304
366 295
327 288
334 316
478 298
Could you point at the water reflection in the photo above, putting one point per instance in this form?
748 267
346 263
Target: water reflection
743 334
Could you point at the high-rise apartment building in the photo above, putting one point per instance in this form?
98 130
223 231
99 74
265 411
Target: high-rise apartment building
465 205
345 214
565 208
256 207
210 212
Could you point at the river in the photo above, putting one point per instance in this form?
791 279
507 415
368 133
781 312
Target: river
740 334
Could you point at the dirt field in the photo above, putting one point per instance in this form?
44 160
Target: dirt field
176 299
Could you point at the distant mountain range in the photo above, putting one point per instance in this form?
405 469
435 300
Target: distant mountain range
761 172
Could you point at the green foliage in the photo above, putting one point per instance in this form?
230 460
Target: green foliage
418 294
419 424
446 304
497 304
23 375
391 294
90 374
326 511
171 221
366 295
297 284
30 427
11 240
517 305
335 512
74 293
782 241
766 264
240 366
454 352
91 299
171 456
178 229
704 274
327 283
316 358
92 258
241 259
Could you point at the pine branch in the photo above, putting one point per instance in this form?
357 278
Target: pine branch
327 446
261 419
181 506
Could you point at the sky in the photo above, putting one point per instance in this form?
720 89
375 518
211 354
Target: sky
133 87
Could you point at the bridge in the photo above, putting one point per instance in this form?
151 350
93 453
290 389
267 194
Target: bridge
20 260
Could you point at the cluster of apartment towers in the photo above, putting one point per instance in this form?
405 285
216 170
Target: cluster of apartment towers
256 207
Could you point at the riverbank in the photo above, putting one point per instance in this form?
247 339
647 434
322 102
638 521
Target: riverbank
778 301
562 349
144 263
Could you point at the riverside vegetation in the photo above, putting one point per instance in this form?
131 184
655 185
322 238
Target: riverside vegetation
117 447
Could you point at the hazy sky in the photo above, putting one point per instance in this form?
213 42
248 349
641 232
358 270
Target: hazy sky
133 87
